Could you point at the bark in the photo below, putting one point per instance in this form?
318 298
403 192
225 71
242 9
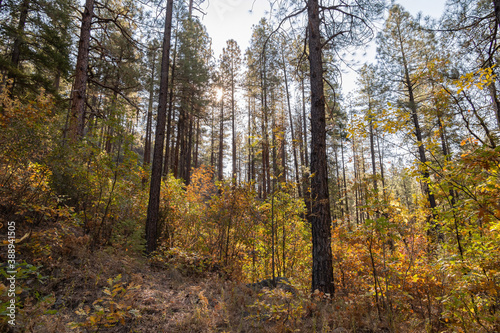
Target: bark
254 126
380 161
294 146
344 188
284 175
339 187
418 132
212 139
265 144
233 123
372 152
190 9
77 117
183 128
356 173
156 173
168 154
421 150
496 3
197 147
496 102
149 121
18 40
249 171
305 181
322 272
188 154
221 142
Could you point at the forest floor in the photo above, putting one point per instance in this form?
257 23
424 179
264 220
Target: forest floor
71 289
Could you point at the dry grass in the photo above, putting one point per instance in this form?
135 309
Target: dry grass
170 301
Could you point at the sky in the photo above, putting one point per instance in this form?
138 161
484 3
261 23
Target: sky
233 19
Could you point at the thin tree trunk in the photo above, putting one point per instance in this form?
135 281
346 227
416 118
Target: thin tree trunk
249 171
233 124
372 152
189 141
284 174
166 162
418 133
212 139
175 161
221 141
339 187
254 129
190 9
381 163
322 272
149 121
305 182
156 173
356 184
265 146
197 144
344 189
294 146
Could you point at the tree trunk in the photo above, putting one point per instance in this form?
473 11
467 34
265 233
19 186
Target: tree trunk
305 177
421 149
212 139
265 145
233 124
197 144
189 149
372 152
249 140
156 173
221 142
381 163
18 40
77 117
166 162
322 272
418 133
294 146
344 188
149 121
496 3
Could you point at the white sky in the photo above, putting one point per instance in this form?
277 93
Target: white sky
233 19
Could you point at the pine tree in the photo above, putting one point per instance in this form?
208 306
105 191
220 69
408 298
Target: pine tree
400 52
230 67
156 172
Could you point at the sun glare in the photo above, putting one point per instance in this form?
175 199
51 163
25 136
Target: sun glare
219 94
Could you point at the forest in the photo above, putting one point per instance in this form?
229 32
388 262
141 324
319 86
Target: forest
149 183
